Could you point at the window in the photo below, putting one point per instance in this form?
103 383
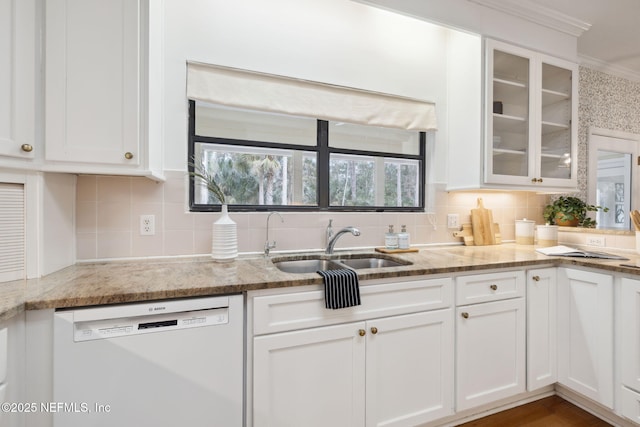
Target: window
268 161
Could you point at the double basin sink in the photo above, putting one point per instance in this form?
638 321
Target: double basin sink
312 263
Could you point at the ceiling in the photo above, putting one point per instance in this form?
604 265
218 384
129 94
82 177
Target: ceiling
607 31
614 35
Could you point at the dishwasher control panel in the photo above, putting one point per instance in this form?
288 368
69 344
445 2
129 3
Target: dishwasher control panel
125 326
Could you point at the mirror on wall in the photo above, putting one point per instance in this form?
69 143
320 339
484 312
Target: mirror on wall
612 179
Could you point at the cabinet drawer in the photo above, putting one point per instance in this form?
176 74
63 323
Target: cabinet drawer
489 287
296 310
630 406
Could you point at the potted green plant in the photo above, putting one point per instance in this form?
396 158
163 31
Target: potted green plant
570 211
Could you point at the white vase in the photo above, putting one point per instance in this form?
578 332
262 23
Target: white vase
224 245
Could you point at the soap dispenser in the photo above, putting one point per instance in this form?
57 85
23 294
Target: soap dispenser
403 238
391 239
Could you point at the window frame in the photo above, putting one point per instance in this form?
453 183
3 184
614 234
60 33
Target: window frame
323 151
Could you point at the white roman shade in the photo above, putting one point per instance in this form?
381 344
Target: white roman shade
12 229
266 92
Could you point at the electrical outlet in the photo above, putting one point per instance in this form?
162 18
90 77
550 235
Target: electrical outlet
147 225
595 241
453 221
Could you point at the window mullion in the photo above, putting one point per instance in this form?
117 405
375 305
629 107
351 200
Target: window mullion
323 164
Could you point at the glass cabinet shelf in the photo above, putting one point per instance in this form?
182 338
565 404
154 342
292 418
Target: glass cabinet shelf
504 123
551 97
549 127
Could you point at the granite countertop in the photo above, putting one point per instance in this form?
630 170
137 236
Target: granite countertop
130 281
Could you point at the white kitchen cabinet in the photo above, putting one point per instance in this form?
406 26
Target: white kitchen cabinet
12 369
531 105
409 375
18 83
350 374
490 340
629 347
102 87
585 333
541 328
311 377
531 118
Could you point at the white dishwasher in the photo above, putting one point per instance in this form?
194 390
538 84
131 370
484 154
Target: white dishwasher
161 363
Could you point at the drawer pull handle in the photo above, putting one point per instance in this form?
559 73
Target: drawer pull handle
128 155
465 315
27 148
362 332
536 278
494 287
374 330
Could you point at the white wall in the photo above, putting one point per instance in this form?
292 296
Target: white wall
58 243
334 41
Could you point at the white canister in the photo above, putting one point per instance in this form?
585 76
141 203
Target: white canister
524 231
547 235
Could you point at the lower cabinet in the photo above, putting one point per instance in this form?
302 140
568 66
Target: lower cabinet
310 377
490 358
585 333
12 371
409 375
391 361
541 328
382 371
490 339
629 348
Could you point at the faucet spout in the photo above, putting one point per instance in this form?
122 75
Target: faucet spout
334 239
267 244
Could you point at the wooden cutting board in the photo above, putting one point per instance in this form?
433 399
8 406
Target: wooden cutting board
482 225
467 234
395 251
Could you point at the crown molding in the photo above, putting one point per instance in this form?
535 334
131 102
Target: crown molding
538 14
609 68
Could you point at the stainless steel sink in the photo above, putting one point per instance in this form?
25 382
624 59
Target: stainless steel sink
306 265
311 264
370 262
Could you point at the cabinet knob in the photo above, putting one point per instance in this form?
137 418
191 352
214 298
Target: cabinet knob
536 278
494 287
539 179
27 148
374 330
128 155
465 315
536 179
362 332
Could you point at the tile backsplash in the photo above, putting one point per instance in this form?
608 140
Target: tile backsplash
109 210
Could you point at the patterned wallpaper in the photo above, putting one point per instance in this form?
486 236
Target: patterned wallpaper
608 102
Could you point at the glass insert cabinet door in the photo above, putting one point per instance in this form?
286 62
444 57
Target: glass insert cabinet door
530 138
555 127
511 110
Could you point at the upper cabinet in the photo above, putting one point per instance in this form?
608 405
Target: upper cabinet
102 72
17 83
531 118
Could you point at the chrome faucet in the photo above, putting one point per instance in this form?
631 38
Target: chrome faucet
329 232
267 244
334 239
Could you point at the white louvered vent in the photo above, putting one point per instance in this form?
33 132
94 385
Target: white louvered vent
12 237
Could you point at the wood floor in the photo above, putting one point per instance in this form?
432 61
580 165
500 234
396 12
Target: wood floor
548 412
